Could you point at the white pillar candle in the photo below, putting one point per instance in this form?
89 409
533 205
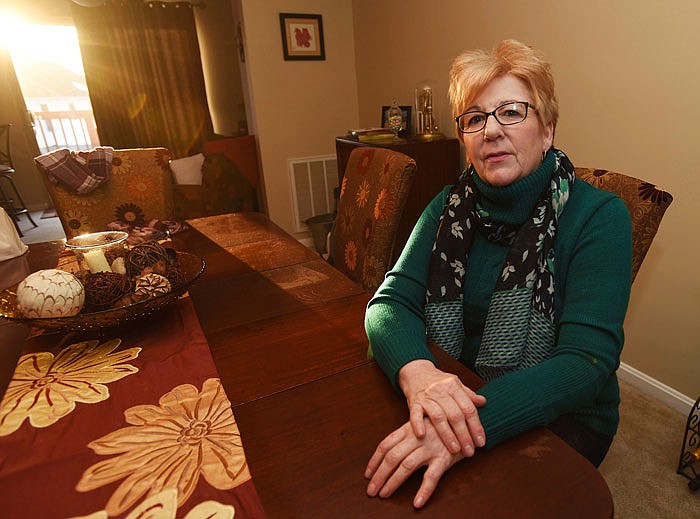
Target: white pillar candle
96 261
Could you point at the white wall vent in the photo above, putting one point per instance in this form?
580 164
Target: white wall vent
313 180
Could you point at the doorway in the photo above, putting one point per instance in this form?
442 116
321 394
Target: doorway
49 69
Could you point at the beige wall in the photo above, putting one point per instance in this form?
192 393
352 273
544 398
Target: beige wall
299 107
627 79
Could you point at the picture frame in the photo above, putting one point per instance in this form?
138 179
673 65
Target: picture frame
406 127
302 37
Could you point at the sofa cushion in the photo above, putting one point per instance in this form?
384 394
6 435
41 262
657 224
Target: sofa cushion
188 170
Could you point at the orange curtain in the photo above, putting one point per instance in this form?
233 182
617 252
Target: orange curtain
144 74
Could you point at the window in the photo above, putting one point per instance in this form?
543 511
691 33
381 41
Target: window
49 68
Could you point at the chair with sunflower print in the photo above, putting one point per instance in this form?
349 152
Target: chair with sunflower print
645 202
139 189
372 198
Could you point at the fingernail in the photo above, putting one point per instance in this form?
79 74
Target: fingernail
454 447
468 450
480 441
419 502
371 489
368 473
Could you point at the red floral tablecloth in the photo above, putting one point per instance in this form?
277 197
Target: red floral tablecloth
133 423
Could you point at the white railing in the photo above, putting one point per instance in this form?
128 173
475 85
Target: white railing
74 129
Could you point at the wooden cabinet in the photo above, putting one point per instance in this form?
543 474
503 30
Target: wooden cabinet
437 165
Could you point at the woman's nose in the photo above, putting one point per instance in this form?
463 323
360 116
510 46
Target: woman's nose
492 128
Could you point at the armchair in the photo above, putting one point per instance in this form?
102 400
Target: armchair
645 202
139 189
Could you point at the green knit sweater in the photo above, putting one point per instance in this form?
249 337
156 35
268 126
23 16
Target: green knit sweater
593 264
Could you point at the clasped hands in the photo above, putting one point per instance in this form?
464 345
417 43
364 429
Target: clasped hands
443 428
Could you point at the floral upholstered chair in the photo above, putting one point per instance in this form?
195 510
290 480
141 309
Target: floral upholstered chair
138 190
372 198
645 202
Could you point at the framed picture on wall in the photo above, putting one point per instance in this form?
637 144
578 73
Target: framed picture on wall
302 36
405 125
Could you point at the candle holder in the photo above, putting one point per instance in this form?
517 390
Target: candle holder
689 461
97 252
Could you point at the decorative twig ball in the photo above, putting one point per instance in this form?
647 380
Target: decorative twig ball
175 276
151 285
50 293
103 289
145 258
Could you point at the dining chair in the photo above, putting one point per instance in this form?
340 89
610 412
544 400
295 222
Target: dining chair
645 202
138 190
373 194
12 200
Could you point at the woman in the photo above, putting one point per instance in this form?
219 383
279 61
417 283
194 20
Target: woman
518 271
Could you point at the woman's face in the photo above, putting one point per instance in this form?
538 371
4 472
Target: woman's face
503 154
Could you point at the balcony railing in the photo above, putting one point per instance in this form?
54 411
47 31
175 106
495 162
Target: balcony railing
74 129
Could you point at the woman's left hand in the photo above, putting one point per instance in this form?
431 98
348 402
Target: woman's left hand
402 453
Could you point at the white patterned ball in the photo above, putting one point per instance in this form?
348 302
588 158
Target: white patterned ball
50 293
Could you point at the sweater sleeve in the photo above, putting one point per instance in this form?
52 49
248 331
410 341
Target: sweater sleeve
590 336
395 320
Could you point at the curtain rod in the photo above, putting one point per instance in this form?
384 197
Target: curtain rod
149 3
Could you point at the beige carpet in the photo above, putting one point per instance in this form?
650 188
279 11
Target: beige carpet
640 468
49 228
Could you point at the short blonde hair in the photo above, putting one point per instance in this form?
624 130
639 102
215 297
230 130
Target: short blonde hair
473 70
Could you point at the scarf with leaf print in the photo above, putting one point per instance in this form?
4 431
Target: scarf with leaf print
520 327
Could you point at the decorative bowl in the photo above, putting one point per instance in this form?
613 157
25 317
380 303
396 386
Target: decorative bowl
192 267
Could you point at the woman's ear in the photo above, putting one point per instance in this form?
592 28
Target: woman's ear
548 136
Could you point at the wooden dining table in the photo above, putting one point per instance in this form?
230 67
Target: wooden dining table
285 331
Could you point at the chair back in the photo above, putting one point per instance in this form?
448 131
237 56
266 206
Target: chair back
138 190
645 202
372 198
5 155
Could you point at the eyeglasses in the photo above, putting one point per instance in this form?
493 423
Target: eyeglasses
512 112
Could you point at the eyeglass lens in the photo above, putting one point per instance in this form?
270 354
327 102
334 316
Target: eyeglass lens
506 114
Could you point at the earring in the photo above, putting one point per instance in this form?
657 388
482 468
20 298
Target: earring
544 154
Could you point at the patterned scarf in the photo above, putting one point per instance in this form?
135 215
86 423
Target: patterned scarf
520 329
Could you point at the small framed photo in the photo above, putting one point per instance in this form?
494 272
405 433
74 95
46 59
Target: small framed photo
405 126
302 36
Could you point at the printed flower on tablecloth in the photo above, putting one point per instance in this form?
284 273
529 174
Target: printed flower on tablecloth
45 388
384 206
362 193
141 187
169 445
130 214
76 219
163 505
351 255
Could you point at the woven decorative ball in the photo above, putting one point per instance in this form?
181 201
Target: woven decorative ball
50 293
175 276
151 285
149 255
103 289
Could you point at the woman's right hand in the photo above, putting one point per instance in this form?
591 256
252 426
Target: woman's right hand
450 405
